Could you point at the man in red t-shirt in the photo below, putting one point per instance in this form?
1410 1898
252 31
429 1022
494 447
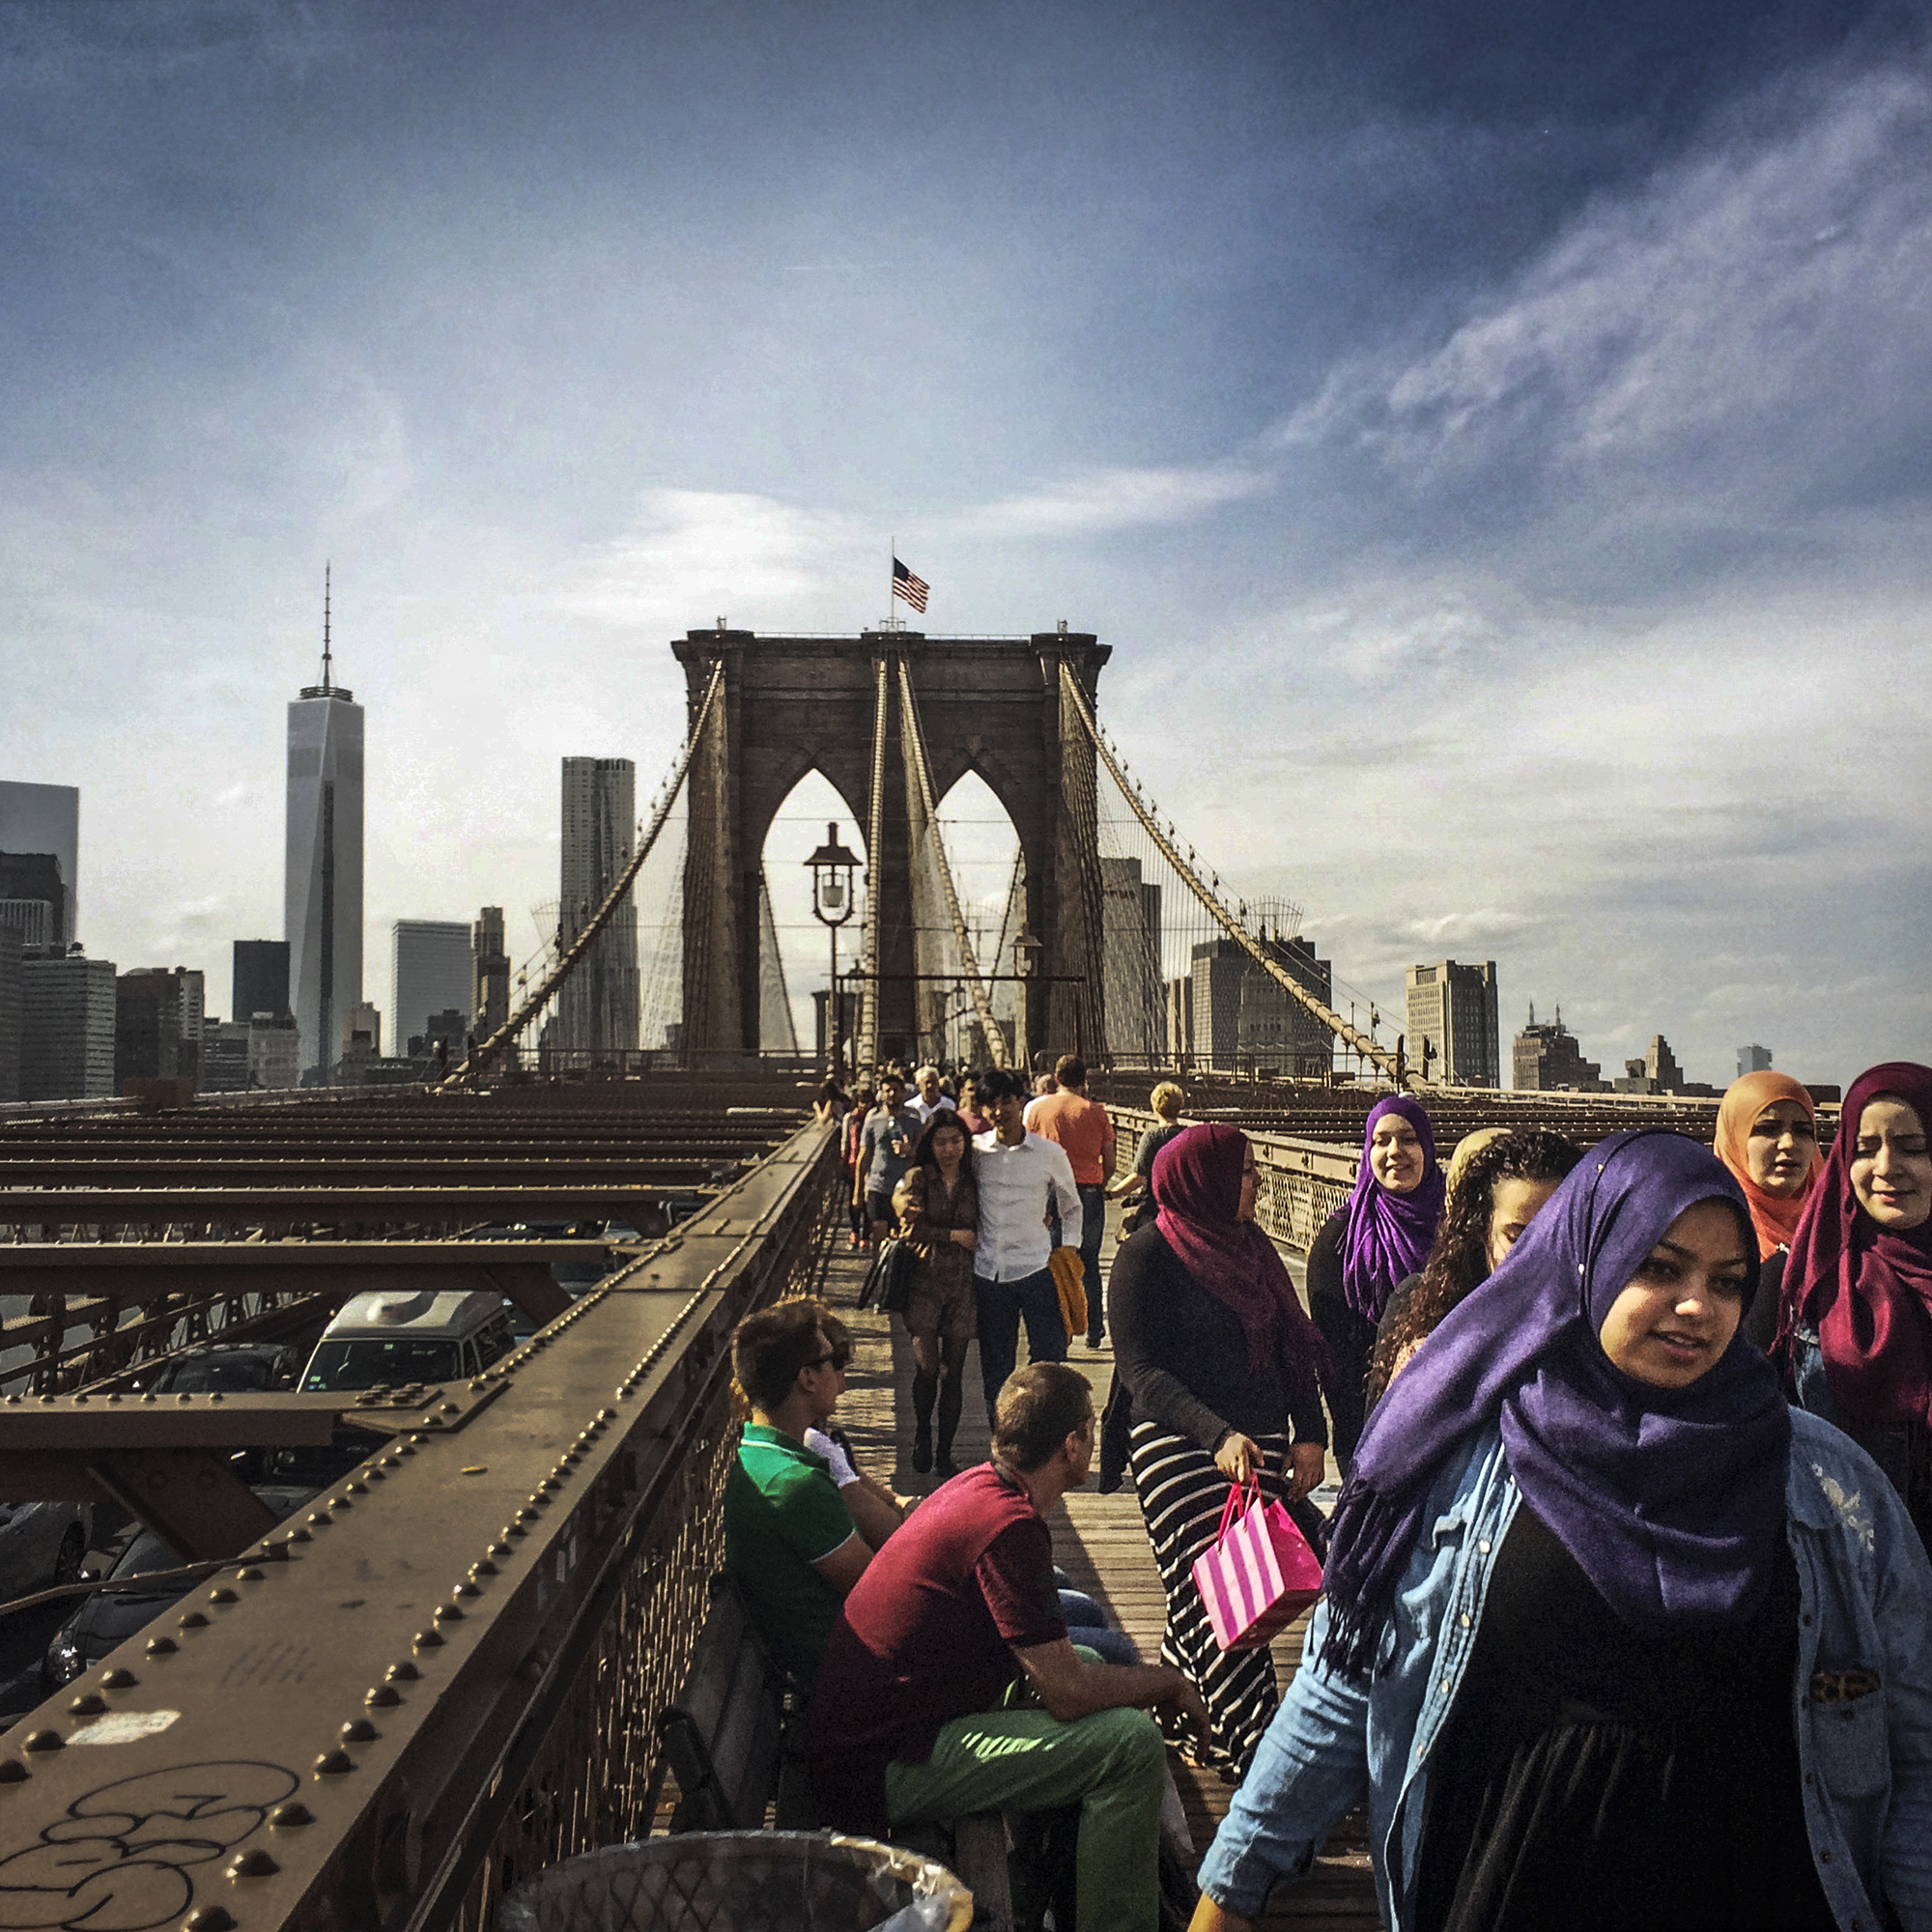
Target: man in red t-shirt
915 1715
1082 1127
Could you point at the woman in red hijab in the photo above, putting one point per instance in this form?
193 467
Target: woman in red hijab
1768 1136
1855 1315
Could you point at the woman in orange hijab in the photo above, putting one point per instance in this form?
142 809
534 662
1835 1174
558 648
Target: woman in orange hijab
1768 1136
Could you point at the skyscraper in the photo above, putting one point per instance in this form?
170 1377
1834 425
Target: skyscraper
1453 1007
433 973
490 965
598 1010
261 982
36 819
323 878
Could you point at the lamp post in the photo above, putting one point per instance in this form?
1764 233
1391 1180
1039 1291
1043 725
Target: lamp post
1026 951
832 871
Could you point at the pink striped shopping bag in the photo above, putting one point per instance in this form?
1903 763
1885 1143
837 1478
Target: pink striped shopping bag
1258 1574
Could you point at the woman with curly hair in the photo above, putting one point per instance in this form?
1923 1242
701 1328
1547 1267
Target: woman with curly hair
1494 1195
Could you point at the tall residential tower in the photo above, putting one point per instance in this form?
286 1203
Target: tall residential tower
598 1010
323 880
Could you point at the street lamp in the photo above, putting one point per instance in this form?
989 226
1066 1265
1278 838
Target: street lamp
832 901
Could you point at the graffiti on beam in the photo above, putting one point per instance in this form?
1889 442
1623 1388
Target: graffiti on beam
122 1857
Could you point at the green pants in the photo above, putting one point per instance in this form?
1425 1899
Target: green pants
1112 1765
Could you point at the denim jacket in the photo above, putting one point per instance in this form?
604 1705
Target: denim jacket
1862 1696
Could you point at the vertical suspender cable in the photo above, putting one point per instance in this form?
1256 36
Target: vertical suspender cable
479 1058
867 1051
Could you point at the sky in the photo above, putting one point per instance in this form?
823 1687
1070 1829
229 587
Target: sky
1493 438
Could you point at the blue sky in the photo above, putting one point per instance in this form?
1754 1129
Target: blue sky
1494 439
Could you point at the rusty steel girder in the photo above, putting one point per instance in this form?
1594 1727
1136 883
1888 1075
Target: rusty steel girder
453 1659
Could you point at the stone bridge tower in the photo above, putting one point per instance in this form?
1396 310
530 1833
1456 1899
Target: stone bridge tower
789 705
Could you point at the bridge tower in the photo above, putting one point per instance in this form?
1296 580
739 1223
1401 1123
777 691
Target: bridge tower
792 705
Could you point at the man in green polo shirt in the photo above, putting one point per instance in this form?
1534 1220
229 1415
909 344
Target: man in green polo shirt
789 1539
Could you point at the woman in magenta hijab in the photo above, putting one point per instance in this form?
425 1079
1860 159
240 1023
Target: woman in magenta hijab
1223 1371
1380 1237
1855 1304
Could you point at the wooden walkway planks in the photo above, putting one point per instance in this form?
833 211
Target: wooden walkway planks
1100 1543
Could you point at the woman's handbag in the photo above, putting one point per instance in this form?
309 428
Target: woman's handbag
888 1283
1258 1574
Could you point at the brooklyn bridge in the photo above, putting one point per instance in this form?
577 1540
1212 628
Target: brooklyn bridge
433 1650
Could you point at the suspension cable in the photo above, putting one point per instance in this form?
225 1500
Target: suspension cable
866 1046
1379 1056
479 1058
914 745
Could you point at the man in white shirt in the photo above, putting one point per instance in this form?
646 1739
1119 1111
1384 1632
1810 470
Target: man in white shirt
1020 1177
927 1098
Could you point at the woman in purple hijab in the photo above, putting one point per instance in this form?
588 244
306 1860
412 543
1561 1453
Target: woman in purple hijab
1366 1248
1612 1640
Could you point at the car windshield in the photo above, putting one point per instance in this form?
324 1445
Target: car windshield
147 1553
231 1374
361 1365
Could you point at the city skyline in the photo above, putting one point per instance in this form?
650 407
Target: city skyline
1488 439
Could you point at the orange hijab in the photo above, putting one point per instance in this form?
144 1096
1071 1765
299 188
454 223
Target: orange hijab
1775 1220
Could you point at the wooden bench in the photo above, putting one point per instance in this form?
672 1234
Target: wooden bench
725 1742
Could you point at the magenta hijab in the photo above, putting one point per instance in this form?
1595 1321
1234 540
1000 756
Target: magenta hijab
1869 1289
1388 1236
1197 1181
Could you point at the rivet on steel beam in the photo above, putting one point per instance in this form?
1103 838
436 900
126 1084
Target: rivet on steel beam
161 1646
467 1589
372 1474
301 1536
207 1919
14 1771
254 1864
224 1594
286 1817
514 1530
449 1408
119 1680
113 1398
193 1620
483 1568
500 1550
359 1731
552 1483
392 1461
11 1399
148 1396
404 1673
428 1639
383 1696
448 1613
215 1396
185 1397
357 1489
90 1704
606 1416
250 1574
43 1741
332 1762
80 1400
342 1502
320 1518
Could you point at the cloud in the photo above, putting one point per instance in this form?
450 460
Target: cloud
1098 501
1745 336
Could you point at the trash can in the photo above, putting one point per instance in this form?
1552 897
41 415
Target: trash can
741 1882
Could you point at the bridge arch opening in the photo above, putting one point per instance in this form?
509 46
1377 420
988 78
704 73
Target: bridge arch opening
802 944
982 847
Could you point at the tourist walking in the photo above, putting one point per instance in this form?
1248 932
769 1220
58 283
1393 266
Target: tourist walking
1611 1639
849 1129
1768 1136
1222 1366
1364 1249
1135 1187
1853 1326
1068 1118
885 1145
928 1094
1021 1177
938 1213
1492 1195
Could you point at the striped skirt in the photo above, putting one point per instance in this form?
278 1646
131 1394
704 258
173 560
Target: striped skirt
1182 1495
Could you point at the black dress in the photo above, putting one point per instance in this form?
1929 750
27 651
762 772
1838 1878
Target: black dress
1601 1778
1351 1337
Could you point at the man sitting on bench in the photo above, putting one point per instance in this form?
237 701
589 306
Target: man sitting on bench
789 1539
917 1716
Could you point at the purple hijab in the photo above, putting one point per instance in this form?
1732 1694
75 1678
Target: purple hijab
1388 1236
1672 1500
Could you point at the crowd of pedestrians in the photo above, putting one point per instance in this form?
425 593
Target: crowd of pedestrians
1627 1609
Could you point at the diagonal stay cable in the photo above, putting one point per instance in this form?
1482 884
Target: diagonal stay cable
983 1007
480 1057
1379 1056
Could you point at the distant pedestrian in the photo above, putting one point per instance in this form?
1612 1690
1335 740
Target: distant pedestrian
928 1094
977 1123
1020 1178
939 1209
885 1145
1136 1186
863 1101
1068 1118
1382 1235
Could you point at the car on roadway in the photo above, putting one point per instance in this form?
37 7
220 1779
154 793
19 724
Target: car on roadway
40 1543
106 1621
399 1340
226 1368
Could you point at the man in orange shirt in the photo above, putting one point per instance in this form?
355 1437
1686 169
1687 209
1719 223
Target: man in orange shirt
1081 1127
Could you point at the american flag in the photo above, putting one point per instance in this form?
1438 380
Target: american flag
912 588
